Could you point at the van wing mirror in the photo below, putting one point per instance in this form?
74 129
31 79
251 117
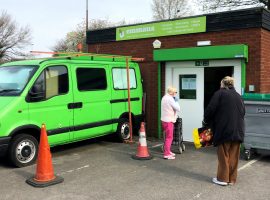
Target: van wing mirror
36 93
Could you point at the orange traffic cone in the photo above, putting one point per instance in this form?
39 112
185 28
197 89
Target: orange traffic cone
44 172
142 151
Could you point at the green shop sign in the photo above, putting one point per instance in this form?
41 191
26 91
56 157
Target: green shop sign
176 27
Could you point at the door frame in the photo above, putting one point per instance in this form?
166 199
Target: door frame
235 63
222 52
190 66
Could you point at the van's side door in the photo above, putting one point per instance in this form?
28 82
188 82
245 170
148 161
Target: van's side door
92 107
48 101
120 92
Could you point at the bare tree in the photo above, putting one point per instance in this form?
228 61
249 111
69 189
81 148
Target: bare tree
99 24
13 39
78 36
169 9
61 45
208 6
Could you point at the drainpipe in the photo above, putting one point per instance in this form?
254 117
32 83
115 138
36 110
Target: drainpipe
159 100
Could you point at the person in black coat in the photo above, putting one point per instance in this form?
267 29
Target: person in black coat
225 114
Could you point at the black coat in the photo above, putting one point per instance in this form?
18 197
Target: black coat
225 113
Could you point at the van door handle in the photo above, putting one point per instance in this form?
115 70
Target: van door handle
75 105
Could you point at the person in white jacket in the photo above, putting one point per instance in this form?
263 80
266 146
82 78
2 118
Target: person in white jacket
169 107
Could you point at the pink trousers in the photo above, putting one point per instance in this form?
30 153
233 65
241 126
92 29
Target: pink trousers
168 130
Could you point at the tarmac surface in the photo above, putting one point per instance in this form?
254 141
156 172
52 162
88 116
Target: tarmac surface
104 169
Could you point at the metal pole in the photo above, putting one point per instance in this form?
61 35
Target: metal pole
129 106
86 25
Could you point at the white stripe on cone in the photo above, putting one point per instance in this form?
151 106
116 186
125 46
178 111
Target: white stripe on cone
142 139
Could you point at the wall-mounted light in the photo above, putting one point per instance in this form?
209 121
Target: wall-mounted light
251 88
204 43
156 44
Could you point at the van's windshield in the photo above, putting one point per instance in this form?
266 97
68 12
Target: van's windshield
13 79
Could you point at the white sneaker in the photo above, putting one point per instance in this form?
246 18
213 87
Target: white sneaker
172 154
219 182
169 157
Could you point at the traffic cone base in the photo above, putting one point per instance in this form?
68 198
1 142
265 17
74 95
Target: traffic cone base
129 141
142 151
44 170
149 157
32 181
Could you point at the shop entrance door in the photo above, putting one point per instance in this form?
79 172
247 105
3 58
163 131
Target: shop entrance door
189 84
212 78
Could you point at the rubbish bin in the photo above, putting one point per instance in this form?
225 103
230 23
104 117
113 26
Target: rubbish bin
257 122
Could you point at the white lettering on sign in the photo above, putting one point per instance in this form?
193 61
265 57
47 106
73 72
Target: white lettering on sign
263 110
141 30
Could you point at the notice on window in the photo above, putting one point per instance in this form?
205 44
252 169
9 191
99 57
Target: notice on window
188 83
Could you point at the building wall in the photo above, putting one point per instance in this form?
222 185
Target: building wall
258 66
265 62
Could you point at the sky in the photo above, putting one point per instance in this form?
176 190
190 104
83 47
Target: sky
50 20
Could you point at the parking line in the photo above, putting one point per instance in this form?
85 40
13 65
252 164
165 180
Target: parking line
197 196
249 163
157 145
73 170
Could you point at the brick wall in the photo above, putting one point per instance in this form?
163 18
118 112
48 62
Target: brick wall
258 66
265 62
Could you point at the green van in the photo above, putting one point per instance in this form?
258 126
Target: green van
76 97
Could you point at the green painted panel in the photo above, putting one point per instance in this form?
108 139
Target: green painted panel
256 97
199 53
175 27
243 74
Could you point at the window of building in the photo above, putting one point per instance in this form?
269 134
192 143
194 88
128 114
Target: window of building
187 86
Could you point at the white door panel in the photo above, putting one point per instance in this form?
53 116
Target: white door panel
191 110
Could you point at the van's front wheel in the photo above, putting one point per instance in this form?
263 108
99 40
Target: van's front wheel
23 150
123 130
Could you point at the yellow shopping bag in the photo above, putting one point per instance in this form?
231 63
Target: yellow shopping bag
196 138
202 137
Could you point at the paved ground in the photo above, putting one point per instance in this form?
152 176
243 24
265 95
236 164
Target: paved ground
102 169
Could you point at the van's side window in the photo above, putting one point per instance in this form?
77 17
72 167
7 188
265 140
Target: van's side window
120 78
52 81
91 79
